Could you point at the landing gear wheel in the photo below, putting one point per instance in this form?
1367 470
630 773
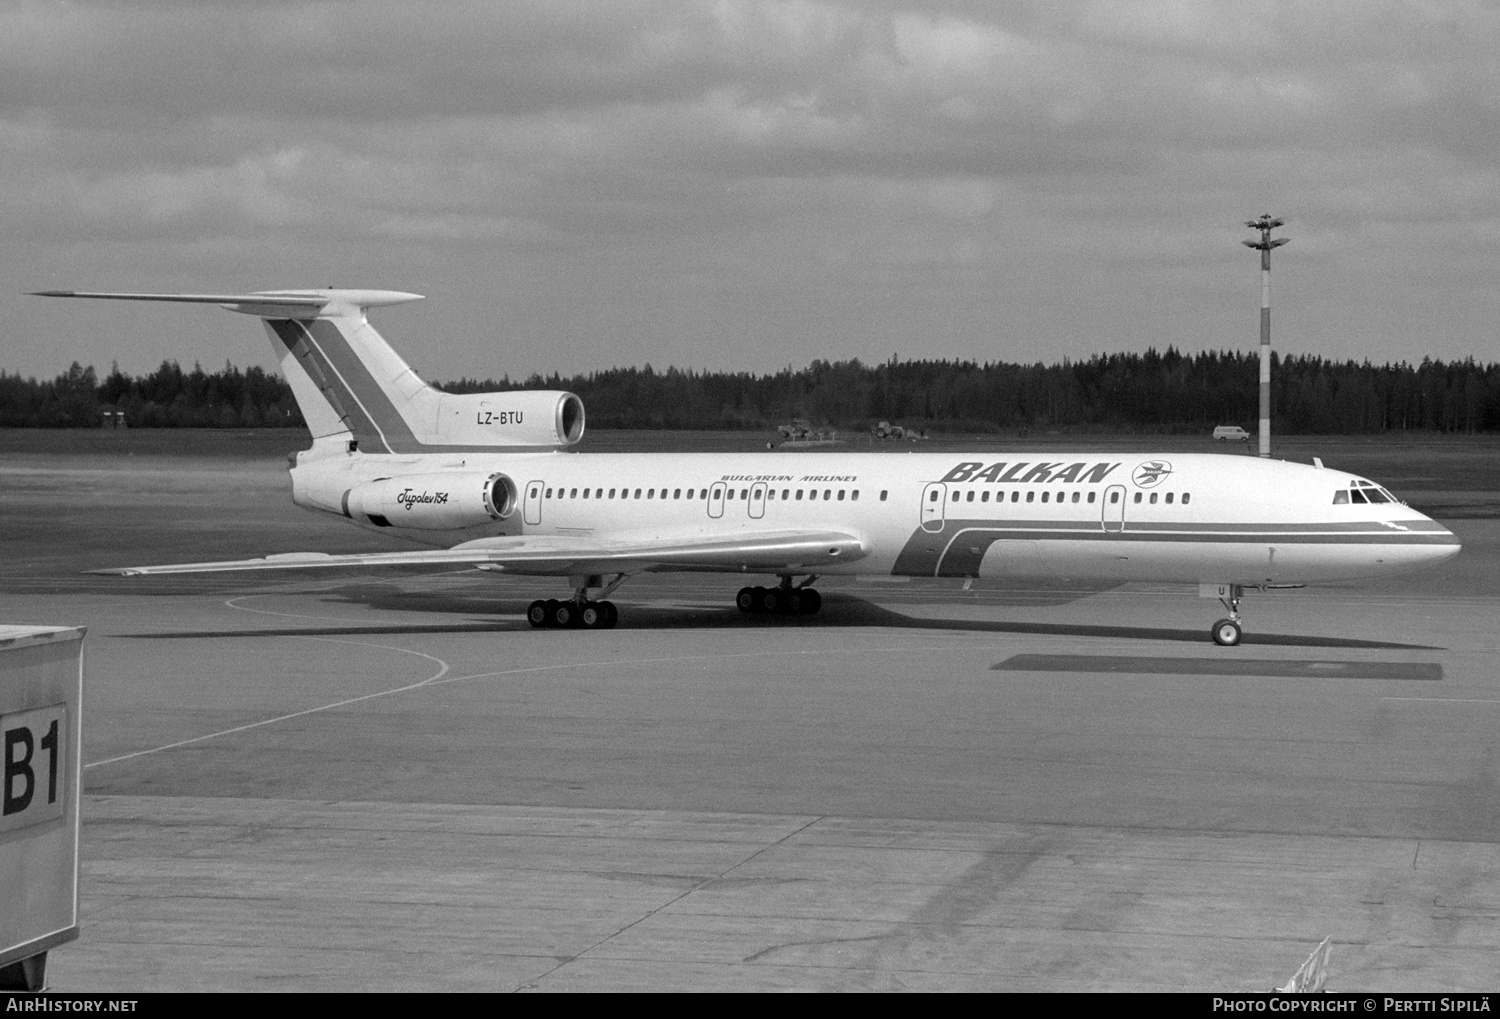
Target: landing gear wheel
536 613
566 614
551 605
611 614
745 600
795 602
592 616
812 601
1226 632
769 599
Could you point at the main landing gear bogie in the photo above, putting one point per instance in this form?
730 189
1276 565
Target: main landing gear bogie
779 601
568 614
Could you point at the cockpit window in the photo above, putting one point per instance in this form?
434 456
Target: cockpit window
1341 497
1362 491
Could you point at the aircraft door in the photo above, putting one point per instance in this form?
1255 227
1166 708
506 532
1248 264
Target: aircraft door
934 498
716 500
1114 508
532 509
757 504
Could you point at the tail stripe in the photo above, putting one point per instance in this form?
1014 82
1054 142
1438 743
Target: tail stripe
346 382
333 350
291 339
309 362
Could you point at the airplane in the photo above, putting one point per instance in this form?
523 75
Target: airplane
490 480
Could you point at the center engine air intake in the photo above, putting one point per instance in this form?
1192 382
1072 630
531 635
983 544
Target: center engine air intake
535 419
434 502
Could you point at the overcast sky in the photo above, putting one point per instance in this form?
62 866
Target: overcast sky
747 185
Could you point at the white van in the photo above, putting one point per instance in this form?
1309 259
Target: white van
1225 433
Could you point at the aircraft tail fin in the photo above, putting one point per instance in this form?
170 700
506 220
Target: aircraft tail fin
357 393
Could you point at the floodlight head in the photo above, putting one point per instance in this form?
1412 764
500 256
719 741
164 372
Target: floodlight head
1278 242
1252 244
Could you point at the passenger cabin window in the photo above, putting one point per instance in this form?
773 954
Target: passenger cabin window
1137 497
1044 496
1114 497
883 493
1076 495
854 496
1186 498
1015 496
1169 498
1030 496
1153 498
1091 498
841 495
985 497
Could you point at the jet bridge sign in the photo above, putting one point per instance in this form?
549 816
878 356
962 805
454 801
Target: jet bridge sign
34 788
41 689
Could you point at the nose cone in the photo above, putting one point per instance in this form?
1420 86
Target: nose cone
1438 543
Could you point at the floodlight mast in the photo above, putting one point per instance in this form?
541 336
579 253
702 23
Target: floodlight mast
1265 225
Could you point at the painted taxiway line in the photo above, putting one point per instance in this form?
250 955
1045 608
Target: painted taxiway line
437 679
442 671
1442 700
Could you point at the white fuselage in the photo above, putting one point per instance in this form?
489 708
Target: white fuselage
1111 516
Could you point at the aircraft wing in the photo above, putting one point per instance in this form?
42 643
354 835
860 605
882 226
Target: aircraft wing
561 555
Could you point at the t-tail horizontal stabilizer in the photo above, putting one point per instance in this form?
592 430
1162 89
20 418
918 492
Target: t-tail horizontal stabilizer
357 394
300 304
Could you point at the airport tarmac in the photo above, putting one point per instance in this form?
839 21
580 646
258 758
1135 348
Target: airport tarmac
388 781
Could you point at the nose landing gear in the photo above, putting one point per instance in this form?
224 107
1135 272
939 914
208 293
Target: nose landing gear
1227 632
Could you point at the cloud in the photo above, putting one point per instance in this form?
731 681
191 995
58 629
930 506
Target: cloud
684 160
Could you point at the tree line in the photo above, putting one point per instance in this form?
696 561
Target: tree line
167 398
1150 392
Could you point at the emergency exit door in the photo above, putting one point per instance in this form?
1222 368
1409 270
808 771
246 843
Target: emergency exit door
934 496
1114 508
532 508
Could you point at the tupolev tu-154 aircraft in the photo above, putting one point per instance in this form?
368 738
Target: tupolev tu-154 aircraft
488 479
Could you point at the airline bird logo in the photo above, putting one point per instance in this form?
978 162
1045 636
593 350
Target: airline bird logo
1151 473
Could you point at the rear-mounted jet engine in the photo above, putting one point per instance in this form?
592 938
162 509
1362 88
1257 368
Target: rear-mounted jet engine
433 502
